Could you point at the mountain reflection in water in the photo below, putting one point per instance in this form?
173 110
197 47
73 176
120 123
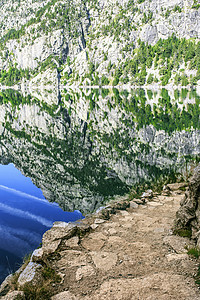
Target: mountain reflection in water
91 146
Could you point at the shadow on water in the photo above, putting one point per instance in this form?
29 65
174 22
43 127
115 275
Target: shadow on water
9 263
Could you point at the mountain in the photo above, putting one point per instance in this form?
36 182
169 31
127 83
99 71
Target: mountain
45 43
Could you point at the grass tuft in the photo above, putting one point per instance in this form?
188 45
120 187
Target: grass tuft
32 292
183 232
50 274
194 252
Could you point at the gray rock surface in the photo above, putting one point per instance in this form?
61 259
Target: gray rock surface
13 295
86 40
37 255
84 271
188 216
134 205
65 296
30 274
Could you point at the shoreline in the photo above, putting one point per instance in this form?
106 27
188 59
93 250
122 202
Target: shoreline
79 257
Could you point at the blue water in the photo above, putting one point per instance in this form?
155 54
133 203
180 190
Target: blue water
24 216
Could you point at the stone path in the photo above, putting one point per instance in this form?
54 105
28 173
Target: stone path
133 255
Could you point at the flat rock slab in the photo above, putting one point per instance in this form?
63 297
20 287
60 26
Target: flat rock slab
94 242
153 203
50 247
159 286
174 256
176 186
94 226
116 243
104 260
99 221
84 271
72 258
57 232
65 296
134 205
112 231
177 243
124 213
73 242
138 201
97 235
30 274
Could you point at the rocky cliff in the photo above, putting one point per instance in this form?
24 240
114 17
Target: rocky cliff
88 41
187 218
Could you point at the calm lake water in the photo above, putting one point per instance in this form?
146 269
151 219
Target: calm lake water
82 151
24 216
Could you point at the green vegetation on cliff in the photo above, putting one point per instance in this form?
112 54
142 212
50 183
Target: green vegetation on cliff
101 43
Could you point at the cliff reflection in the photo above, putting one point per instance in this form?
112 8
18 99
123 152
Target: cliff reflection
98 143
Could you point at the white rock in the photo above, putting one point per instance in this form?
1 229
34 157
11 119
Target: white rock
133 205
29 274
94 226
99 221
37 255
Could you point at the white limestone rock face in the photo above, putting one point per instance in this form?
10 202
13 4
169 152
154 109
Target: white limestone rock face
37 255
81 62
45 86
29 55
149 34
87 43
30 274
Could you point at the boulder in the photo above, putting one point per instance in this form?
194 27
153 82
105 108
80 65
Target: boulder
133 204
188 215
37 255
166 190
148 194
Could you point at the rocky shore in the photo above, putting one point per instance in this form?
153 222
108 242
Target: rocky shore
125 251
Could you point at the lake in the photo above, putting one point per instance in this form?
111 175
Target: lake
24 216
60 159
